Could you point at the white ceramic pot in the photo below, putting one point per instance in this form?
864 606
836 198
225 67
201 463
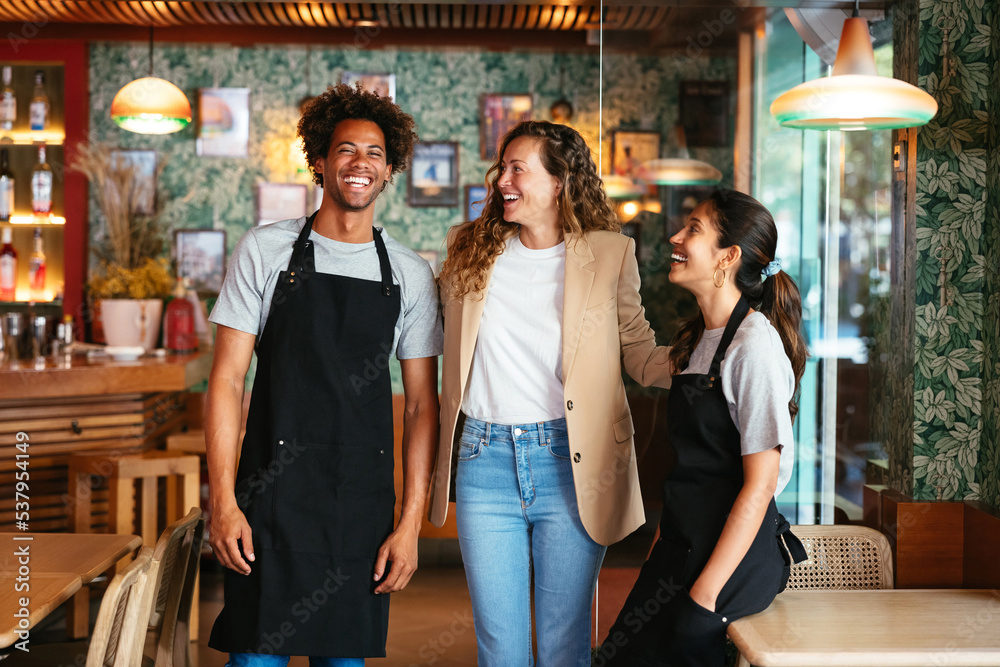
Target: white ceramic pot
131 322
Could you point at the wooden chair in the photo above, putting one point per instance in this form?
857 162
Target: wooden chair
177 555
840 558
119 633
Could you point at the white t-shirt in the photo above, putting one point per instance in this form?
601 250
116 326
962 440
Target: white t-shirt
758 382
516 375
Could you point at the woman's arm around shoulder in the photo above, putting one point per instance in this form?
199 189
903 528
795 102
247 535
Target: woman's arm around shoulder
646 362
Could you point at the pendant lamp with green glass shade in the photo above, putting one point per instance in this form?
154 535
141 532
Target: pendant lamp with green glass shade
855 97
151 105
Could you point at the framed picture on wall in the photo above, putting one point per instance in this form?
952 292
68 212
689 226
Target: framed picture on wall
498 112
281 201
223 122
475 196
201 259
704 109
383 84
143 166
433 176
631 148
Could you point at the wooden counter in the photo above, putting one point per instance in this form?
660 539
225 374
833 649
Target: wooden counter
85 405
97 375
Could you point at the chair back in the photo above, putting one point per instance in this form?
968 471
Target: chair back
119 633
178 552
842 558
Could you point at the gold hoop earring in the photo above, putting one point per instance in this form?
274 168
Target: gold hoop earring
715 279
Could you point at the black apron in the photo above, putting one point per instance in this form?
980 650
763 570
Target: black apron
315 478
660 624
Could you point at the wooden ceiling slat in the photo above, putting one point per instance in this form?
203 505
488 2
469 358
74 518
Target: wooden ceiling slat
444 16
392 13
583 18
254 12
186 12
635 19
329 15
659 18
545 17
301 13
520 14
89 12
406 13
458 14
116 10
316 8
432 16
163 8
495 13
230 11
471 18
420 15
217 13
267 13
531 23
245 17
21 11
342 14
569 18
278 9
482 16
508 17
57 12
558 14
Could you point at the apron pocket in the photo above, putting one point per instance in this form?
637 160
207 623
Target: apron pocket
327 500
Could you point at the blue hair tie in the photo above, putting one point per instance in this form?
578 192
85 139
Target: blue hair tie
773 267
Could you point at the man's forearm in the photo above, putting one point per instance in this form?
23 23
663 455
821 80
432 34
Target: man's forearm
223 418
420 434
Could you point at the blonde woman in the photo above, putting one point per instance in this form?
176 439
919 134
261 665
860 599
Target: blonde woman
542 310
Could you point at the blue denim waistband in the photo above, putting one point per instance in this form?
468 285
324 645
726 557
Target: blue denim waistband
555 428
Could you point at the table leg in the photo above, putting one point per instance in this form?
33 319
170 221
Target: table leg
79 497
192 498
147 522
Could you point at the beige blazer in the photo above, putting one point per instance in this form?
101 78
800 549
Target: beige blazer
604 326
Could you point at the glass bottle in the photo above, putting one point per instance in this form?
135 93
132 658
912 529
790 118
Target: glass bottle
8 267
36 268
6 187
41 186
8 102
38 110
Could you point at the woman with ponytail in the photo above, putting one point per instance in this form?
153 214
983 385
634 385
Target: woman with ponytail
722 550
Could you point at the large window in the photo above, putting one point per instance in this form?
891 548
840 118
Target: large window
829 193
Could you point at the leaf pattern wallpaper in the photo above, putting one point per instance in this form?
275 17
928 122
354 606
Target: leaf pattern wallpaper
441 88
957 350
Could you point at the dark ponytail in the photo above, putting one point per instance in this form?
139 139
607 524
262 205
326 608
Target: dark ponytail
741 220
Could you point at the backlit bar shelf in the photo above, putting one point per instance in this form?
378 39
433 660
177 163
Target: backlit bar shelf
32 221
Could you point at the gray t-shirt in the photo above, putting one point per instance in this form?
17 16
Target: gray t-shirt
265 251
758 382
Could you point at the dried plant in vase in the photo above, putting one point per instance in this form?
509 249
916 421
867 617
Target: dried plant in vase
128 247
132 236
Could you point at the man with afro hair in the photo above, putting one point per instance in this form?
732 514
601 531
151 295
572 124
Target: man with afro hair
304 526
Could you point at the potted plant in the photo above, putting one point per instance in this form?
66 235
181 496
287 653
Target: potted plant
131 278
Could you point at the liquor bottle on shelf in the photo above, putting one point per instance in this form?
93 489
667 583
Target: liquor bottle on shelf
38 110
41 188
36 269
8 267
6 187
8 102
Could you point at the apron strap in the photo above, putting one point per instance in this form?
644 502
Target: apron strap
383 262
739 312
792 544
302 250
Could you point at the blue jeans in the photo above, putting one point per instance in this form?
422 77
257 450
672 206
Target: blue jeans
266 660
517 514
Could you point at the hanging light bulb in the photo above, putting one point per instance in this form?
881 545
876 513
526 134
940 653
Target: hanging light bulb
681 170
151 105
855 97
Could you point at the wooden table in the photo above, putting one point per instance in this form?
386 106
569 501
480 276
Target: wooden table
60 563
881 628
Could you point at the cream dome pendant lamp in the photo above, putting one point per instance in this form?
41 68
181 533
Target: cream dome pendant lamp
855 97
150 105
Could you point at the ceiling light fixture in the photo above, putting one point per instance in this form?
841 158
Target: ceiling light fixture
854 97
681 170
150 105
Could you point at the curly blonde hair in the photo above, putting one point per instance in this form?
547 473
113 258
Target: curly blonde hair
582 202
